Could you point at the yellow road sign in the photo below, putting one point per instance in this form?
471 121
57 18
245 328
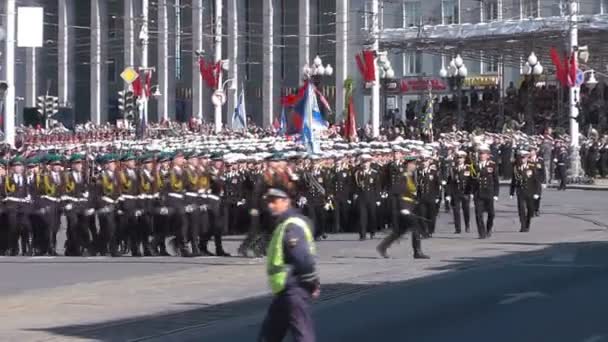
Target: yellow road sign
129 75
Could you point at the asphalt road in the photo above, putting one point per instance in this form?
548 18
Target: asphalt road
547 285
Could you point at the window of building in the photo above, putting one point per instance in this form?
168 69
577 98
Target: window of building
489 65
411 13
530 9
449 12
111 63
412 63
112 26
490 10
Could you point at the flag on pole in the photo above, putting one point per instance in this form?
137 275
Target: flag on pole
350 124
312 120
283 123
239 118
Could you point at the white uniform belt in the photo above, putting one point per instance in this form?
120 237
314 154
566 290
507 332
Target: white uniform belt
50 198
17 199
175 195
192 194
130 197
213 197
107 199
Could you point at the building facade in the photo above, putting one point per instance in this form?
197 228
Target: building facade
89 42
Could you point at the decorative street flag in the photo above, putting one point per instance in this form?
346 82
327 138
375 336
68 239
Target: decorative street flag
239 119
350 123
313 123
283 123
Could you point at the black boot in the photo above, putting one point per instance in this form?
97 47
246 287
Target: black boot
419 255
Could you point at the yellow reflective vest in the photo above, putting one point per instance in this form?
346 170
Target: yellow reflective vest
275 267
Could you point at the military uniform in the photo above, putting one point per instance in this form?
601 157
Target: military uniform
107 194
429 194
458 190
486 188
367 182
78 211
526 183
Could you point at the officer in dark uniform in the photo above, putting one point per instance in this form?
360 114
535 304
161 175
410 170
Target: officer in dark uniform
78 210
539 165
314 191
108 194
367 182
50 190
406 187
192 202
148 195
18 201
485 192
130 205
429 194
458 190
341 193
161 207
526 182
561 162
177 203
214 209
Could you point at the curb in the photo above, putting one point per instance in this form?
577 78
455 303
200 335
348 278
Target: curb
569 186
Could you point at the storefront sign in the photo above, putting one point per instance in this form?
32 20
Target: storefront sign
422 84
481 81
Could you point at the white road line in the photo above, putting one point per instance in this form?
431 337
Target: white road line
41 257
594 338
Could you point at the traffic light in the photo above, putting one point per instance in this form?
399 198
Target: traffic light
126 104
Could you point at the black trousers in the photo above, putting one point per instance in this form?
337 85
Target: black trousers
461 203
561 174
215 228
19 229
194 229
428 209
78 238
367 215
108 239
407 223
317 215
526 206
484 205
342 219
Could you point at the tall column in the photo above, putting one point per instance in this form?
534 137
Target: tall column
99 77
341 54
304 33
268 63
217 116
31 81
197 45
144 53
233 55
575 158
163 60
376 85
66 81
129 32
9 100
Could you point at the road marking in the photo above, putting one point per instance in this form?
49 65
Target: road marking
594 338
42 257
517 297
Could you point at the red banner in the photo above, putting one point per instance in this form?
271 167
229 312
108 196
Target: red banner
417 85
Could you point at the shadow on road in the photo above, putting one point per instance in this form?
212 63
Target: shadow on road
202 315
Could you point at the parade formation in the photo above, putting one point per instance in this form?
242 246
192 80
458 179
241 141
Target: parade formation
176 195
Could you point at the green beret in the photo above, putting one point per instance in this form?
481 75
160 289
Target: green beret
410 158
127 157
164 157
53 159
32 161
76 157
17 160
147 158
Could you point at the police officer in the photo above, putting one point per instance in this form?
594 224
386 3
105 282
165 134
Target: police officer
291 273
405 185
485 191
527 183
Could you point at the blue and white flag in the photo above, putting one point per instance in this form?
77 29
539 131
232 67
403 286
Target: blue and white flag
239 119
313 122
283 123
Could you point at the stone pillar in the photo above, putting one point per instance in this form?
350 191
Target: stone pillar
197 45
304 33
65 46
163 60
268 64
233 55
99 71
341 54
129 33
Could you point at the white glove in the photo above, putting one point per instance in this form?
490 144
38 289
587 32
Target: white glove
448 198
139 212
377 204
472 197
69 206
164 211
254 212
444 182
348 201
85 194
511 197
495 198
535 196
437 200
544 186
405 212
240 203
355 196
327 206
89 212
555 160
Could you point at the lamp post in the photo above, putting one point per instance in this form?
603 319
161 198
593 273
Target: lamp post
531 70
316 70
387 76
455 74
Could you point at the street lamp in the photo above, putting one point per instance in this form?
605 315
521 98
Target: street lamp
386 73
316 70
531 71
455 74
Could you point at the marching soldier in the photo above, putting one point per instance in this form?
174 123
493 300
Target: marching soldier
527 183
50 186
539 166
315 198
18 201
192 199
160 205
213 208
78 211
149 187
406 186
366 181
458 190
341 193
429 193
176 202
130 210
108 194
485 191
561 162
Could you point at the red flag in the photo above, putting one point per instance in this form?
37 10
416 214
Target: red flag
573 68
366 64
560 71
137 89
350 126
148 83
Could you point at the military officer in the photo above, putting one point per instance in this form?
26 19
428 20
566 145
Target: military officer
485 192
539 166
429 193
458 190
108 193
526 182
367 182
